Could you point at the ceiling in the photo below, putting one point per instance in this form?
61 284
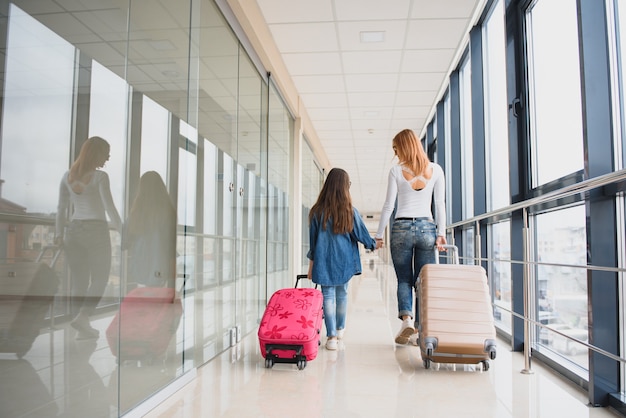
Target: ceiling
359 94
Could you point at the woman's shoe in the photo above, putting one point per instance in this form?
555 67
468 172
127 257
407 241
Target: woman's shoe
406 331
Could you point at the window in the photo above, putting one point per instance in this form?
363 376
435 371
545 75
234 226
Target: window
496 116
36 114
467 145
554 90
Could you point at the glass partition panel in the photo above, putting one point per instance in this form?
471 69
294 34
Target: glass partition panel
312 181
561 288
499 247
280 136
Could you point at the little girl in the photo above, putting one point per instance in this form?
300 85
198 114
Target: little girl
335 229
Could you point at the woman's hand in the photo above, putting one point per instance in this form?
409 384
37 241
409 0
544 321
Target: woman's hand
379 242
440 242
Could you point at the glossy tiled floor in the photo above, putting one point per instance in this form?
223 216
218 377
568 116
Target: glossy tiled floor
369 376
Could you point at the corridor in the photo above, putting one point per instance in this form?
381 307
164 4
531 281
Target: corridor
369 376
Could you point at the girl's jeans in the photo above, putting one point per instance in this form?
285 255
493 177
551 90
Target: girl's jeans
412 246
335 308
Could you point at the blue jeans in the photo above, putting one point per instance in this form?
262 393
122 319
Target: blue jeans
412 246
335 308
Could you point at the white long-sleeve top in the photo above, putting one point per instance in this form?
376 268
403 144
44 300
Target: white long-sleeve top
415 203
92 203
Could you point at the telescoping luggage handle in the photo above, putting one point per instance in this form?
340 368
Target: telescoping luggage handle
302 276
455 253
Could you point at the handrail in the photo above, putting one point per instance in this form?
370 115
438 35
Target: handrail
563 192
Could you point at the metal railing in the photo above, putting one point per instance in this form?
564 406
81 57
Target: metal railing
579 188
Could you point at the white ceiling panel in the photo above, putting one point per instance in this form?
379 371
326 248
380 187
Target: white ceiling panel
414 82
310 37
415 98
320 83
353 10
357 113
382 99
328 113
421 60
327 63
371 62
428 9
371 82
324 100
298 11
435 33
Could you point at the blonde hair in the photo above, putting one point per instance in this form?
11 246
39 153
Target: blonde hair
92 155
410 151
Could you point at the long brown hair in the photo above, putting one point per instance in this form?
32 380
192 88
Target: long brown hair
93 154
334 202
152 207
410 151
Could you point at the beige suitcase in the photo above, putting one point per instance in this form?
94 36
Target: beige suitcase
456 319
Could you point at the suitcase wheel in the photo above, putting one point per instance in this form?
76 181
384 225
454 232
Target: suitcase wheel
485 364
269 363
492 353
301 364
427 363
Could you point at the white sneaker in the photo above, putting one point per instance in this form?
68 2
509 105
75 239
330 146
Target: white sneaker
406 331
340 333
331 344
414 339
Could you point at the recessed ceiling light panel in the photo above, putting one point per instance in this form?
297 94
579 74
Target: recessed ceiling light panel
368 37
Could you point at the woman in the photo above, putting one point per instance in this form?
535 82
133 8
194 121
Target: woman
335 229
86 239
415 182
150 234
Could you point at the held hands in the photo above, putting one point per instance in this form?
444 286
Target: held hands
379 243
440 242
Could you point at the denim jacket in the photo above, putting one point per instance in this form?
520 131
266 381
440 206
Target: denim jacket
336 256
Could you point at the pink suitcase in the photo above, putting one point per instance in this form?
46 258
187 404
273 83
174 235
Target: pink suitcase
143 327
291 326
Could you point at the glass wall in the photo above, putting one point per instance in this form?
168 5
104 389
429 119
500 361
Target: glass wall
180 210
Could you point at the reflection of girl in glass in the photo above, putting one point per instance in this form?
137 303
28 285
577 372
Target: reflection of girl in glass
150 234
86 239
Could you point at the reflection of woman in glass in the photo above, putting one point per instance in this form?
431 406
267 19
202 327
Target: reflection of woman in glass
150 234
86 238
